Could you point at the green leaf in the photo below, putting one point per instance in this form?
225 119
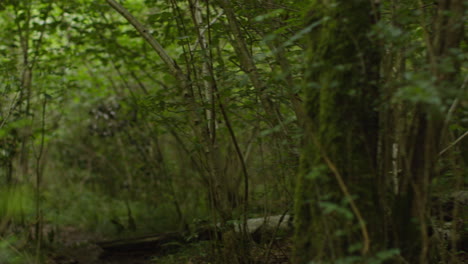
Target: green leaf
329 208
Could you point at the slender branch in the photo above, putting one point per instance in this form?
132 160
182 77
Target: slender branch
39 223
206 69
203 31
344 189
248 64
453 106
10 110
241 159
453 143
173 67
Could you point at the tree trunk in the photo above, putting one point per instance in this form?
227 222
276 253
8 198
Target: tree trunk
336 184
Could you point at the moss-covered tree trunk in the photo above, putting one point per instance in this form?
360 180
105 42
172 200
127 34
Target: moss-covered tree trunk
346 204
340 154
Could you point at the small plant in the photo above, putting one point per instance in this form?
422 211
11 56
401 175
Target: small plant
9 254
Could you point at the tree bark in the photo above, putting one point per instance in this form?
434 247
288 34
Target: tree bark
339 158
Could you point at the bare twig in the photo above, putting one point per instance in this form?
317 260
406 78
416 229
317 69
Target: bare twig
453 143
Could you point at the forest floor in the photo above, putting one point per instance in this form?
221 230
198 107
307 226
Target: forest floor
73 246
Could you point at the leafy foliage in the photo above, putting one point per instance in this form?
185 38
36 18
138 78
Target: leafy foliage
99 131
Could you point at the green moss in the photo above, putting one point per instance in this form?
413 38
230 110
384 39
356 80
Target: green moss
340 85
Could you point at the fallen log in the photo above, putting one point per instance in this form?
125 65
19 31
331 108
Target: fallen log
169 241
281 222
156 242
